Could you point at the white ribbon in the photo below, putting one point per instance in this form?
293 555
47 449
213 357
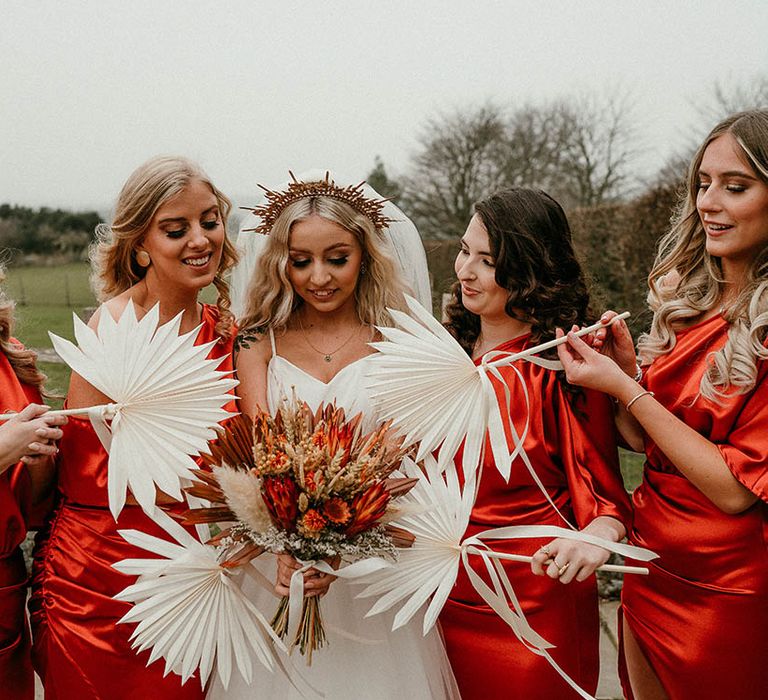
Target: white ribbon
514 532
497 599
502 457
490 363
364 567
501 597
99 415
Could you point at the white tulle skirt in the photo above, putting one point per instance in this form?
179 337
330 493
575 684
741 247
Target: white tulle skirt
387 665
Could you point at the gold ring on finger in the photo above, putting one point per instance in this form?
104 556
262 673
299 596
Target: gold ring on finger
563 569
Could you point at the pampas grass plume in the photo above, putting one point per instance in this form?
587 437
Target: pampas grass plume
242 490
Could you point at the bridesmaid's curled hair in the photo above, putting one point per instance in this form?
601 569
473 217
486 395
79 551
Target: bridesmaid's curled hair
532 247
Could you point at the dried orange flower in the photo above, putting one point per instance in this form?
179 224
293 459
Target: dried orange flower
336 510
313 521
319 439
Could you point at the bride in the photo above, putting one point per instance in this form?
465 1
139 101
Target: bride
333 259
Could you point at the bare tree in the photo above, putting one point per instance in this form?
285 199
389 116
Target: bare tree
577 150
737 97
459 162
723 100
596 135
535 147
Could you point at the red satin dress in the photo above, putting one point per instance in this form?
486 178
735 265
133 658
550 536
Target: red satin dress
79 651
701 617
16 676
573 450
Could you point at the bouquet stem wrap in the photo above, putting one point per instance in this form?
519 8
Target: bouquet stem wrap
298 617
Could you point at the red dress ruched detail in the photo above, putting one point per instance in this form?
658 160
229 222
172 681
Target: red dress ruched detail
79 651
16 674
701 617
571 443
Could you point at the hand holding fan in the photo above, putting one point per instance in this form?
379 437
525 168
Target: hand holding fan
425 383
167 399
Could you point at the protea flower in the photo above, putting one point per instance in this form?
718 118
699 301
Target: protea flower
342 437
281 497
367 508
312 480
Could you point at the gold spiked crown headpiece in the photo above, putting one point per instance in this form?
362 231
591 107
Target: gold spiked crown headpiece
353 195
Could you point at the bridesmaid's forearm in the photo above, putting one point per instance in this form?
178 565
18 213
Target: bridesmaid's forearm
698 459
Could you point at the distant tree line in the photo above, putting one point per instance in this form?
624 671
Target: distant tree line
582 150
46 232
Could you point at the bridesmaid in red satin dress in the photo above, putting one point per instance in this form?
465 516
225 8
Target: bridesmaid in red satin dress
518 281
27 446
166 243
697 627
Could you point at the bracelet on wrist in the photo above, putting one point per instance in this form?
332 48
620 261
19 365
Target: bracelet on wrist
636 398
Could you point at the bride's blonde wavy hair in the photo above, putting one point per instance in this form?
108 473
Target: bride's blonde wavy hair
271 299
686 281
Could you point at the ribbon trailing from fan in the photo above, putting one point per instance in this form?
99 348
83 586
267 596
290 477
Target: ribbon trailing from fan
425 383
429 569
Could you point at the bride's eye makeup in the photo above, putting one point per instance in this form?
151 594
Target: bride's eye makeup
299 262
210 224
339 261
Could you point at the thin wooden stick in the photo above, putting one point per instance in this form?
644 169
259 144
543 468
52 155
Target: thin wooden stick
554 343
618 568
59 412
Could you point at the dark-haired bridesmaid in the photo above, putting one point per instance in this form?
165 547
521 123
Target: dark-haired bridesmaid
519 280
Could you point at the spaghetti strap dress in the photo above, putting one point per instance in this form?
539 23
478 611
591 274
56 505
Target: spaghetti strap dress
363 657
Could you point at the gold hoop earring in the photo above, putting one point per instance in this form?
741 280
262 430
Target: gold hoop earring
143 259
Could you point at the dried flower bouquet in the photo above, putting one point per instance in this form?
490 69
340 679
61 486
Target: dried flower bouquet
310 484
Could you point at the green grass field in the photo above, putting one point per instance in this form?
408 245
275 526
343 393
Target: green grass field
46 297
58 382
59 285
631 468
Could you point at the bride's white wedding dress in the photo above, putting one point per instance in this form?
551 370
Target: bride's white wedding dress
379 664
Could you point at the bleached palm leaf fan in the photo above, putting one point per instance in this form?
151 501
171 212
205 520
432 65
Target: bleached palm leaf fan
191 610
167 398
436 511
424 382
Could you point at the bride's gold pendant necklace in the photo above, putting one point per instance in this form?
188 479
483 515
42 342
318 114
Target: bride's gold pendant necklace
327 356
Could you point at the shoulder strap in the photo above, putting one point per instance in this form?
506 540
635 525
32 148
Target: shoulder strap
272 341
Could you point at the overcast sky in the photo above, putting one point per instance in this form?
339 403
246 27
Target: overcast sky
250 89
